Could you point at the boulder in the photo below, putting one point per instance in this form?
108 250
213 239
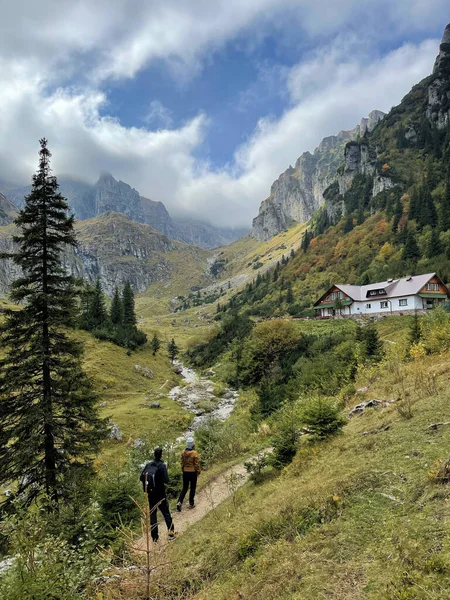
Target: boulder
115 433
144 371
138 443
360 408
155 404
178 369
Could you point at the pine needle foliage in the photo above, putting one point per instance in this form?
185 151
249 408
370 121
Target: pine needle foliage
49 421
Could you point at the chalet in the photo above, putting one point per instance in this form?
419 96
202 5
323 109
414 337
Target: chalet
393 296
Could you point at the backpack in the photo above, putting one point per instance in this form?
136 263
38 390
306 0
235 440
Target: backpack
149 473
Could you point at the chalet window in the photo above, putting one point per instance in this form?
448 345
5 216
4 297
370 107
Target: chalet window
403 302
432 287
368 306
328 298
384 304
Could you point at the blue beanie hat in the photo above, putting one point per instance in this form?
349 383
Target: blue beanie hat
190 443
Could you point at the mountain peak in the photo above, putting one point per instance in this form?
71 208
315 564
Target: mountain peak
444 49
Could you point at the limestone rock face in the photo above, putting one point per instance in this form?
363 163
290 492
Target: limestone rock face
444 50
298 192
438 108
8 211
117 196
357 161
87 201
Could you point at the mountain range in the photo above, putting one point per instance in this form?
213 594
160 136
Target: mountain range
384 184
88 201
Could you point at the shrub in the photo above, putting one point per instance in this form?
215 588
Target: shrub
322 417
287 436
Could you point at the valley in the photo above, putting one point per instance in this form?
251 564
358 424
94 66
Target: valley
323 443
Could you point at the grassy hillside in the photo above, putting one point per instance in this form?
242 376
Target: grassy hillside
360 516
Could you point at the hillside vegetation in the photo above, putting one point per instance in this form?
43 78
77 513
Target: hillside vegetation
363 514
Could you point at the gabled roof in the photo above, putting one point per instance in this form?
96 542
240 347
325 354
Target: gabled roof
408 286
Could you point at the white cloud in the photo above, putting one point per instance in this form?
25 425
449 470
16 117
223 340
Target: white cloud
44 45
158 115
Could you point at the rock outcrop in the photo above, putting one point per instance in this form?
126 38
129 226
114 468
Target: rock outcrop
117 196
438 108
298 192
115 249
88 201
8 211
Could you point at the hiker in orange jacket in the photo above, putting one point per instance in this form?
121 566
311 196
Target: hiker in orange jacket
190 465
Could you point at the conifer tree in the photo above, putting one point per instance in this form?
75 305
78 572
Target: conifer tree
289 294
129 315
348 224
372 342
434 245
97 316
155 344
49 422
411 249
444 208
398 213
415 330
172 350
116 313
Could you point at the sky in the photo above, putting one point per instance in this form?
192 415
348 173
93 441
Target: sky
200 104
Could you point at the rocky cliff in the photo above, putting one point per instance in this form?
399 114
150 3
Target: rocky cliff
108 194
298 192
116 249
8 211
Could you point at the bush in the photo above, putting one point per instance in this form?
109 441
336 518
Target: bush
114 497
220 441
321 417
287 436
45 566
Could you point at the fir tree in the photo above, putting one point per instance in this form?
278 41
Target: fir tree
414 205
348 224
373 344
129 315
172 350
96 315
415 330
398 213
155 344
427 211
289 294
116 313
444 208
411 249
434 245
49 422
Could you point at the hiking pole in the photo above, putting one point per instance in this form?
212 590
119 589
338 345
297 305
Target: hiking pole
147 537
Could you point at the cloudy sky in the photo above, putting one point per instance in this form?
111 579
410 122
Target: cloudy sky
200 103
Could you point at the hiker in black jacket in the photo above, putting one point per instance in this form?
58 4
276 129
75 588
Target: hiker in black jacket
153 477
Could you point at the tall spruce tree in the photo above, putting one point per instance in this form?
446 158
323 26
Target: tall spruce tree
434 245
172 350
97 315
155 344
411 249
49 422
444 208
129 315
116 312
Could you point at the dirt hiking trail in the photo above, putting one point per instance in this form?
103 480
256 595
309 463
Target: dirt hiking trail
213 493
